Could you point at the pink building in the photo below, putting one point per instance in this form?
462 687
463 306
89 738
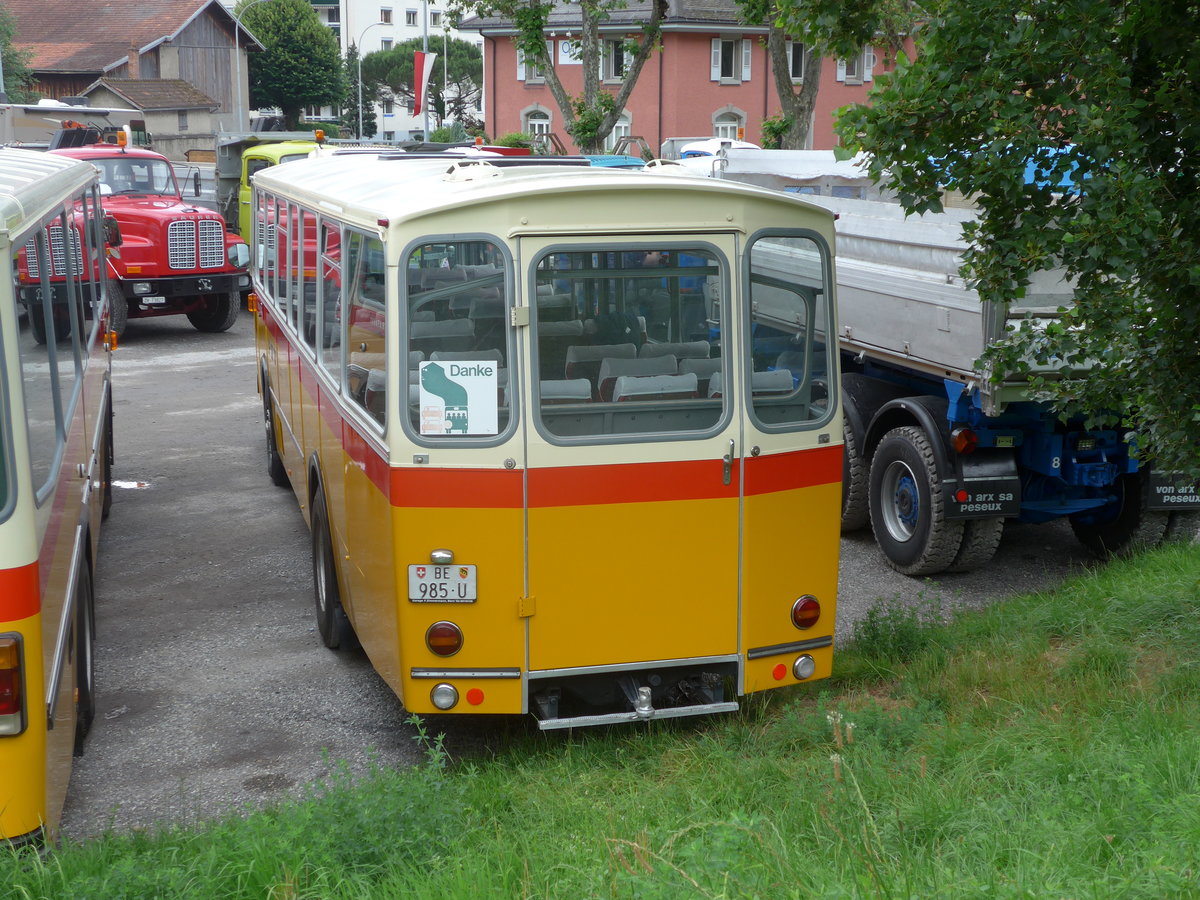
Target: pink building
711 78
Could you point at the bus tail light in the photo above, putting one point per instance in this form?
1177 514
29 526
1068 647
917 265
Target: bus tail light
444 639
964 440
444 696
806 611
12 695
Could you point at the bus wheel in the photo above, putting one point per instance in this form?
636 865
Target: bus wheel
118 309
907 508
218 313
85 662
856 509
1120 527
275 467
332 622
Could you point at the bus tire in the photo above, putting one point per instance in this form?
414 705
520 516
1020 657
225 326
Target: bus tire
907 506
275 467
118 309
218 313
981 538
332 622
85 661
1121 527
856 507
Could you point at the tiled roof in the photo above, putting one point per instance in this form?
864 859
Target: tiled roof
82 36
681 13
152 95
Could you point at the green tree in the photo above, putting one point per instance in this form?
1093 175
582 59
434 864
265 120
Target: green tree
460 60
18 80
301 65
1103 96
589 117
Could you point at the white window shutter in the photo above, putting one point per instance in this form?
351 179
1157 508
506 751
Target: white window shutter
747 50
841 70
869 61
714 73
520 65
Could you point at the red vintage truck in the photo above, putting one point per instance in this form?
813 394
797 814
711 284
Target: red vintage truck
174 257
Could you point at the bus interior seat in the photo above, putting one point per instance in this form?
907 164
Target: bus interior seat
655 387
553 340
777 381
448 334
563 390
679 349
583 360
612 368
703 370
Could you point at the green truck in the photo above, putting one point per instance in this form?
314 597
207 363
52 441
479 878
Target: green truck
240 155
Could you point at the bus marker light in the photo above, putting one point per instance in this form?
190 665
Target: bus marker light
474 696
444 696
252 302
778 672
444 638
110 340
804 666
806 611
11 700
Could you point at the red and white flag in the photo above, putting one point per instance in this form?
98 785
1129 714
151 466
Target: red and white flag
422 69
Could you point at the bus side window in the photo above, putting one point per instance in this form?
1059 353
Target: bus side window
366 325
306 275
331 297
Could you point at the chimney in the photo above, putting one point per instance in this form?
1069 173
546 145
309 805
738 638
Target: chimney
134 67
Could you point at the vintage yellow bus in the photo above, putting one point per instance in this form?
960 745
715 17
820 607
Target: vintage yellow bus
568 439
55 465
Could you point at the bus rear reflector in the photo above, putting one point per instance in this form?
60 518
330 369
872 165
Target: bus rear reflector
12 698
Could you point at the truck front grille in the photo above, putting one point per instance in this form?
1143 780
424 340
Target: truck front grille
58 256
186 244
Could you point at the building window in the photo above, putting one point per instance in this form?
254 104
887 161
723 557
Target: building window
410 17
528 72
333 16
727 124
623 128
385 44
385 15
795 57
389 106
435 19
537 121
613 63
731 60
389 135
857 69
183 120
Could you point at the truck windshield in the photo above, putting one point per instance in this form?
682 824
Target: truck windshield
129 175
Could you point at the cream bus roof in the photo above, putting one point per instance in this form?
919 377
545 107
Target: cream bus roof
33 183
370 188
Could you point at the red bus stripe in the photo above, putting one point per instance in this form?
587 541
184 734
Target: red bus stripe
790 471
20 593
461 488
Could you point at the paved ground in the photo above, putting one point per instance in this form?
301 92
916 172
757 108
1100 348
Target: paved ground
214 689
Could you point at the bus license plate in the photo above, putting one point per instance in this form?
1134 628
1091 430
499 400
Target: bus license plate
441 584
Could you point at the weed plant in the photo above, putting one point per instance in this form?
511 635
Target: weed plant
1044 747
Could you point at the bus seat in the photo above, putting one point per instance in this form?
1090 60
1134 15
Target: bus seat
655 387
612 368
583 360
553 340
554 307
492 355
573 390
776 381
680 349
714 385
703 369
415 358
424 315
448 334
375 395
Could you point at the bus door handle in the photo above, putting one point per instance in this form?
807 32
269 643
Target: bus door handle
727 464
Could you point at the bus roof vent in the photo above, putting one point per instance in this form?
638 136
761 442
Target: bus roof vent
471 170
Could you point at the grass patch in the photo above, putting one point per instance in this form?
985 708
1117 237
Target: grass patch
1044 747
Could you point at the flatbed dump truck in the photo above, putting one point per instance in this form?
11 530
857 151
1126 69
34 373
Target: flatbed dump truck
938 454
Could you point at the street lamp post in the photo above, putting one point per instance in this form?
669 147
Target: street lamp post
237 58
358 46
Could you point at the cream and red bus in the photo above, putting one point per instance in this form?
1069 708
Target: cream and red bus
568 439
55 465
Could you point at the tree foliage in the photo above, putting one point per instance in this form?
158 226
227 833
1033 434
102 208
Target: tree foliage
18 79
460 61
366 125
1103 96
302 63
590 116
